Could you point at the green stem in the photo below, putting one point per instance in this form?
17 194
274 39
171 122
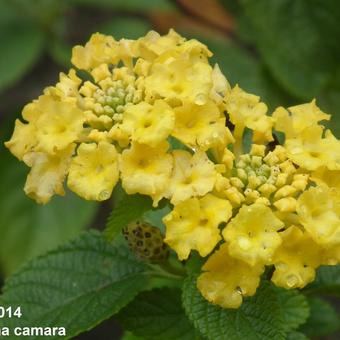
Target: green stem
159 271
173 270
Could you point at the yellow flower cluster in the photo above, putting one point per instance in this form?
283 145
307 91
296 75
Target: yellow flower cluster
267 206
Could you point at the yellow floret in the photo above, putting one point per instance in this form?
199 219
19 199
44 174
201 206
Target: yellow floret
179 81
102 49
296 259
47 174
59 124
201 126
193 225
298 118
252 235
23 139
319 212
246 110
330 178
153 45
148 124
146 170
312 151
52 125
94 171
227 280
68 85
193 175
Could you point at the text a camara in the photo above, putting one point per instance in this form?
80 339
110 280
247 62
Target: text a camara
32 331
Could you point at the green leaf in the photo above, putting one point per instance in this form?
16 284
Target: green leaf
329 101
294 307
132 5
61 53
323 319
327 281
128 209
158 314
130 336
76 286
29 228
22 45
128 28
296 336
259 317
298 40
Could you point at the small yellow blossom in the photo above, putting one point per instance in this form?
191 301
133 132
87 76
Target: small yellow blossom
298 119
226 280
193 175
148 124
252 235
153 45
146 170
67 88
52 125
193 224
59 125
246 110
201 126
330 178
47 173
94 171
23 139
180 81
319 212
311 151
296 259
102 49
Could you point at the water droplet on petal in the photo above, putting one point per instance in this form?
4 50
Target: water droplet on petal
200 99
104 195
292 280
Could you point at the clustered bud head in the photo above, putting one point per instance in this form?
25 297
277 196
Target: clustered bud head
272 205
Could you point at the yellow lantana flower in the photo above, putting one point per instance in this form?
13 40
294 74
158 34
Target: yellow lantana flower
180 81
23 139
67 89
226 280
330 178
102 49
59 125
201 126
94 171
252 235
193 224
319 212
153 44
192 175
47 173
246 110
148 124
298 118
52 125
296 259
146 170
312 151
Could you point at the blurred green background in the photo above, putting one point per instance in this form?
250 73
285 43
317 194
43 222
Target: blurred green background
286 51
